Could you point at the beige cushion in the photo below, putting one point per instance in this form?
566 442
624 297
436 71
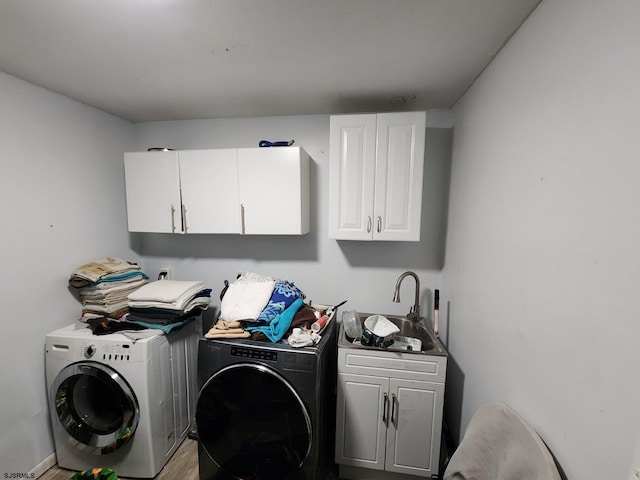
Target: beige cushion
500 445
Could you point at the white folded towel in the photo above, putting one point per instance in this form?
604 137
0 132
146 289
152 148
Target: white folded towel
246 297
174 294
185 307
115 287
92 272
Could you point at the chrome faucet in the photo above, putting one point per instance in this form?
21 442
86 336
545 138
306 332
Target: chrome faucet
414 312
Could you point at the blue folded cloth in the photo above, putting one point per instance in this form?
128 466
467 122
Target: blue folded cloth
165 328
279 326
119 276
284 294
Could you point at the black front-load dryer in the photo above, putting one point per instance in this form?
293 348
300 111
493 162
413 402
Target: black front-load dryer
265 410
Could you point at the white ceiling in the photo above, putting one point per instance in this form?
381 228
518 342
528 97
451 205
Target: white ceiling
184 59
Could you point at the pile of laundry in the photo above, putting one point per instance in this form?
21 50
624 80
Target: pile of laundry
168 304
263 308
104 286
117 296
157 308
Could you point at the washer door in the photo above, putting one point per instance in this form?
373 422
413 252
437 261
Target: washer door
95 405
253 424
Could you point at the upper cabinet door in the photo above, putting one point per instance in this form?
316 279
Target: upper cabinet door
252 191
352 157
274 190
153 192
209 184
376 164
399 175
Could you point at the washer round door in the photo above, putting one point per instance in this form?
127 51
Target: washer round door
95 405
253 424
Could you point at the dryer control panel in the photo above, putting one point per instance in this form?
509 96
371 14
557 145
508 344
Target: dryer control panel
254 353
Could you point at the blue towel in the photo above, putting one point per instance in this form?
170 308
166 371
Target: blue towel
118 276
284 294
165 328
280 324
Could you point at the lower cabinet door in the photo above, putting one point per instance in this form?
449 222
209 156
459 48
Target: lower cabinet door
413 436
362 413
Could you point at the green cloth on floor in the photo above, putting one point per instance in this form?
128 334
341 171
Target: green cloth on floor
96 474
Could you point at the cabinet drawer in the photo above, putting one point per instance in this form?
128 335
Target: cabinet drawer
392 364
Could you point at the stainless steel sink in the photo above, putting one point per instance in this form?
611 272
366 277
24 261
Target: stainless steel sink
408 328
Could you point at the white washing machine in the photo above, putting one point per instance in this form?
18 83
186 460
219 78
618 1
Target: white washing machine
119 403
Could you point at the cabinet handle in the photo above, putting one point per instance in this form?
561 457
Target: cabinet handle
379 222
173 220
394 420
242 218
369 224
385 410
184 218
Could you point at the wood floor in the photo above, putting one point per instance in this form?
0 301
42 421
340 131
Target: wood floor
183 465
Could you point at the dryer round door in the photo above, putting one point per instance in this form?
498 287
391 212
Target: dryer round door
253 424
95 405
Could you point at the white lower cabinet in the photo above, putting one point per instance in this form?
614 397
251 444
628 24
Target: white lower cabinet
388 423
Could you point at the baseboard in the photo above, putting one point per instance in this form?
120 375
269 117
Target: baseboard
43 466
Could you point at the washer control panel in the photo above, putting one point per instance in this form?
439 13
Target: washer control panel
254 353
107 352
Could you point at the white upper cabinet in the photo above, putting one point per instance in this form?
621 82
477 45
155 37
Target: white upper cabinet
153 192
209 191
376 172
274 190
242 191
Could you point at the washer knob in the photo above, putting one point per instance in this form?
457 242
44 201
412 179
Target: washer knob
90 351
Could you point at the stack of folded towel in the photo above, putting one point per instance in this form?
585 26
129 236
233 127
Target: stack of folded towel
257 306
167 304
104 286
227 329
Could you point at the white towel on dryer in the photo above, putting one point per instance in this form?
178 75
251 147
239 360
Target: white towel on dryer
246 297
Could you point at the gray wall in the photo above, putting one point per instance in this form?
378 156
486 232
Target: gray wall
328 271
61 191
539 302
542 266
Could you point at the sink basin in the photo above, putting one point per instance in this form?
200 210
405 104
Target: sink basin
408 328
